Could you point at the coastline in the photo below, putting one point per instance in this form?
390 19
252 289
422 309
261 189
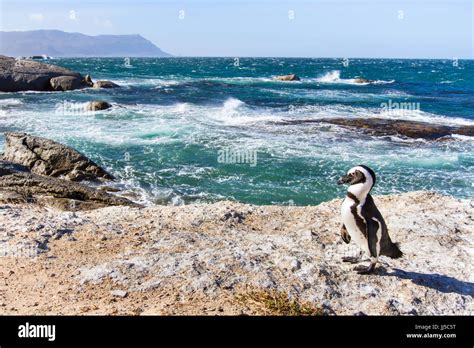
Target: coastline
206 258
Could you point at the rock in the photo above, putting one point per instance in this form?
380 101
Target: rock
62 194
288 263
97 105
385 127
25 75
119 293
291 77
361 80
105 84
234 216
7 168
66 83
47 157
12 197
182 268
179 257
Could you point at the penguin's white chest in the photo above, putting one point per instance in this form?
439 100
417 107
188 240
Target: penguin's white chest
349 220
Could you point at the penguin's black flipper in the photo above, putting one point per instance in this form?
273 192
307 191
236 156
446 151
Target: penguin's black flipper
375 224
372 239
387 247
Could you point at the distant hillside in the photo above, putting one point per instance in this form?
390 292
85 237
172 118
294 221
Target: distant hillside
58 43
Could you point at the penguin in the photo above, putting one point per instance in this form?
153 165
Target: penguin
362 221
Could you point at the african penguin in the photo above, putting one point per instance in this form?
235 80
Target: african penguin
362 221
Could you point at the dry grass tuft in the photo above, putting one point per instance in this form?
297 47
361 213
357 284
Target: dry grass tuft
273 302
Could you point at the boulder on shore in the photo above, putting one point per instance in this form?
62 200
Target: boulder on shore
291 77
7 168
98 105
28 184
105 84
47 157
66 195
386 127
28 75
67 83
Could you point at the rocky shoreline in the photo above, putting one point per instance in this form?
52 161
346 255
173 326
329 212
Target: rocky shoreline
70 247
231 258
38 170
18 75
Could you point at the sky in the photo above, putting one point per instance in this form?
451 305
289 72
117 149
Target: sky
243 28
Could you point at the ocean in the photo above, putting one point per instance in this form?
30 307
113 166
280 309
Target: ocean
189 130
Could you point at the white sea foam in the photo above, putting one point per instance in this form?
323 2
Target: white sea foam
334 76
235 112
150 82
463 137
422 116
182 107
10 102
232 105
333 111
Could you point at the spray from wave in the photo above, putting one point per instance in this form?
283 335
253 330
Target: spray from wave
334 76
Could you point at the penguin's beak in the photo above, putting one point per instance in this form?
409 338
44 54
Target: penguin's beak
344 180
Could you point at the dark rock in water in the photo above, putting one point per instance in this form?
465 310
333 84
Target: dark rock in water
291 77
67 83
105 84
46 157
28 75
360 80
97 105
36 57
384 127
7 168
60 193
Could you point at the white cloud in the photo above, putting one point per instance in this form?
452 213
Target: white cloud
37 17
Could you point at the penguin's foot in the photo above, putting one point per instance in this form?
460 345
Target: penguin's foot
365 270
352 259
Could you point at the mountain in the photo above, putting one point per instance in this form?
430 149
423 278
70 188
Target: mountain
58 43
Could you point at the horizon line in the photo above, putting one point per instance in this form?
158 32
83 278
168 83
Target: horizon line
248 57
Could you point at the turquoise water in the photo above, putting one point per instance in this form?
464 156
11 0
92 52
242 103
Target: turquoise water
173 116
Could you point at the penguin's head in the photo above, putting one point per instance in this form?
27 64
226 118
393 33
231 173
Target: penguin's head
358 175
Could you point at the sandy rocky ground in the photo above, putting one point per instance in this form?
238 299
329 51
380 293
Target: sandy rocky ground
204 259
